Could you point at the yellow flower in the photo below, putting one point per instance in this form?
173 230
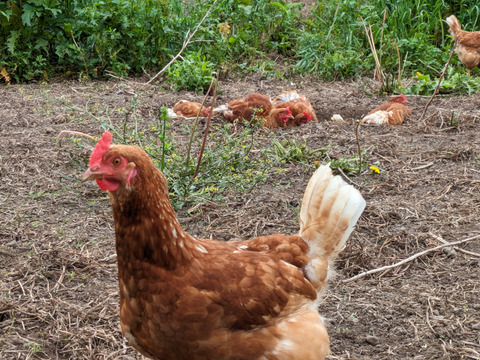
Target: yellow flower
419 73
375 169
316 162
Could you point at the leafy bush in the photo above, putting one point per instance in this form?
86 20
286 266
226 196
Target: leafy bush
193 73
453 81
40 39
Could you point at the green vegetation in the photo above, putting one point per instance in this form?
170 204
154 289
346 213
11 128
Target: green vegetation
40 39
236 157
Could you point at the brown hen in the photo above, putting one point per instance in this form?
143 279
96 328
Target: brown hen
187 298
299 105
392 112
190 109
467 44
253 106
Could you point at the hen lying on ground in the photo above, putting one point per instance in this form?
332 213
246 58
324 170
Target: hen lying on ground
189 109
392 112
254 105
467 44
299 105
188 298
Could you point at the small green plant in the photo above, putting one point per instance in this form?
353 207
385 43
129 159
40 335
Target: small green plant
36 195
292 151
350 165
193 73
454 81
453 121
35 348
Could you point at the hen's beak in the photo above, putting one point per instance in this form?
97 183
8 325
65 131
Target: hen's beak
92 174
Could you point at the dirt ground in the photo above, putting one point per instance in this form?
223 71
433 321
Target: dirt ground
58 288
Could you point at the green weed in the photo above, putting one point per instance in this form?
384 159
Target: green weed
453 82
35 348
193 73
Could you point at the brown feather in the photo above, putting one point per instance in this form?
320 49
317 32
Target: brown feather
190 109
257 105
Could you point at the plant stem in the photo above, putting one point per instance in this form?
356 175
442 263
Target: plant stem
207 126
438 85
164 132
81 53
194 126
359 148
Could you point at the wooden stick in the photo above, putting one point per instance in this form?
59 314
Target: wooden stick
404 261
75 133
194 125
438 85
187 41
207 129
436 237
359 148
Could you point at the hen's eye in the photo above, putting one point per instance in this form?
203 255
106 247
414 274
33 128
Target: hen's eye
116 162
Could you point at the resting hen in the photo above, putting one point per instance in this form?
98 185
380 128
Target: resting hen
187 298
190 109
278 118
299 105
254 105
467 44
392 112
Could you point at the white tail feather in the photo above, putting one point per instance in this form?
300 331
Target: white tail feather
171 114
221 108
330 210
454 26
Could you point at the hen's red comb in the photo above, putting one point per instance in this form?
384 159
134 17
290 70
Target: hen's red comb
101 148
288 110
404 99
309 118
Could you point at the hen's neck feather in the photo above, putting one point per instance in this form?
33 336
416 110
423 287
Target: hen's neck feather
147 230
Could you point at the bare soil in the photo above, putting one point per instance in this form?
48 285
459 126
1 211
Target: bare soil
58 286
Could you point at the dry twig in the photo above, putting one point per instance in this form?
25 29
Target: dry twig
207 126
438 85
81 53
436 237
188 40
72 132
371 41
194 125
404 261
359 148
